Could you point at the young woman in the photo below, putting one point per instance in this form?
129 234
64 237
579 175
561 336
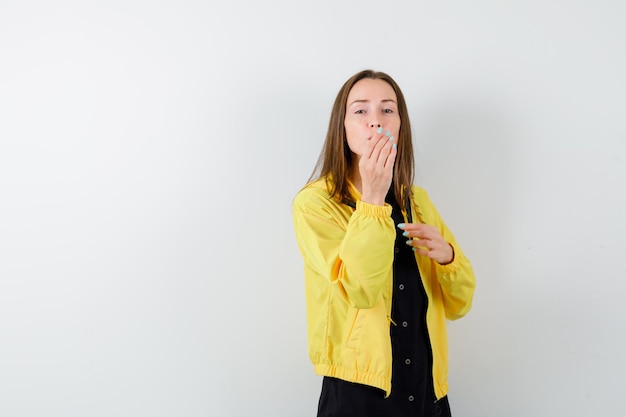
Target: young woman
382 270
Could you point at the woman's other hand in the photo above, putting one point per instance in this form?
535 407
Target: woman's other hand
427 241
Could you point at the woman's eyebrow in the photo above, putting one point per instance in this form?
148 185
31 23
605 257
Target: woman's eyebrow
367 101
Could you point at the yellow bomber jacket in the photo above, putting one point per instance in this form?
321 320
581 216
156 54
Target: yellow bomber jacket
348 265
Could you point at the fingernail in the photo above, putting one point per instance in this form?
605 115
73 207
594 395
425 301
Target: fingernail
401 225
391 138
394 146
387 133
380 130
414 248
405 234
408 242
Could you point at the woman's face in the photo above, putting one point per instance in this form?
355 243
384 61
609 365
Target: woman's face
371 104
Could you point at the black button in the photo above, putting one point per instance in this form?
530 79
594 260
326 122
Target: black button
405 324
411 398
401 287
397 250
407 361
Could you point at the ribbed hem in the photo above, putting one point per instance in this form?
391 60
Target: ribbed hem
350 375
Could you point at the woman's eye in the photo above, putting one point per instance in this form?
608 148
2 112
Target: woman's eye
388 111
360 111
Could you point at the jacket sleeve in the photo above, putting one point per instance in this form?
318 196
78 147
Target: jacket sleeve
354 253
456 279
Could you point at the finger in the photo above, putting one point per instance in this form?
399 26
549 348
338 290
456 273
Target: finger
378 152
391 157
371 143
427 231
423 252
417 244
409 229
370 149
423 243
440 251
428 251
383 150
421 231
377 141
377 135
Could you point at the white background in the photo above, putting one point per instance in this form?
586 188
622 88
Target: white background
150 151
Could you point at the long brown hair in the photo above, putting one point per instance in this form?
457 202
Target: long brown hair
336 158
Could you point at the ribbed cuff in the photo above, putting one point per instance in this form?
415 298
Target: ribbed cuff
373 209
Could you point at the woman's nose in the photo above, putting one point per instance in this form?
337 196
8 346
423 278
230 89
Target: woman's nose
374 124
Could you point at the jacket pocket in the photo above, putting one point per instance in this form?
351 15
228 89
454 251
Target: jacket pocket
356 321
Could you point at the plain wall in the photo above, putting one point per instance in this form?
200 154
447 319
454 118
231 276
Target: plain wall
150 151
